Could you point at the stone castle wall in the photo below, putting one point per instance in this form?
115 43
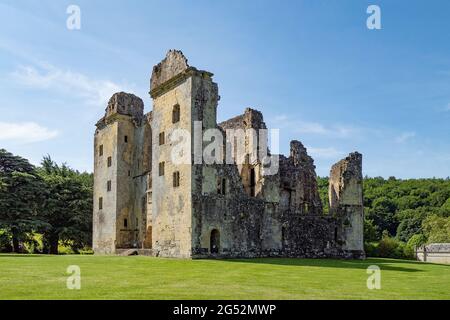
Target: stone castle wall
217 210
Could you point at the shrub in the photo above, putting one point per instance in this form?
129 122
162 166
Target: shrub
371 249
5 242
414 242
390 247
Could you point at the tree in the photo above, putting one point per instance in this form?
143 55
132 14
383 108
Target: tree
370 231
437 229
20 195
410 223
445 209
383 214
323 184
67 208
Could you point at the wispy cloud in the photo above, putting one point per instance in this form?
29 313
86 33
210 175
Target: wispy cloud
325 153
25 132
405 136
47 77
306 127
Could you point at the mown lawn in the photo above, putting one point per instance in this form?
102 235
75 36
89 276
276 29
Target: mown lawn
44 277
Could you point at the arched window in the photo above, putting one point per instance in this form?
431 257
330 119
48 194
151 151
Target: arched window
176 113
215 241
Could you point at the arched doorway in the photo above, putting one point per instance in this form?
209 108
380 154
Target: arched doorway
215 241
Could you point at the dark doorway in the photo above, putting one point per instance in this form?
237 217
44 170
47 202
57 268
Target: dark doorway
215 241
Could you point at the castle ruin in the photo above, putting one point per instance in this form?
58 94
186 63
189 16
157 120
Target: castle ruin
146 202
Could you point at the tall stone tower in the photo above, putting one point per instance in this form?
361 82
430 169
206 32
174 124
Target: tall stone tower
118 143
182 98
346 202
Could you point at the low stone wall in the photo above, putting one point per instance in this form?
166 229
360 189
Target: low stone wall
434 253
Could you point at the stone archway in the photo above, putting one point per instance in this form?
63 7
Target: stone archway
215 241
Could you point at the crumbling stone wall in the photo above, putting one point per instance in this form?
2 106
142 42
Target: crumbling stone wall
346 202
299 191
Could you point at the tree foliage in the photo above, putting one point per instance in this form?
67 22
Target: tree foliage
20 196
51 200
67 207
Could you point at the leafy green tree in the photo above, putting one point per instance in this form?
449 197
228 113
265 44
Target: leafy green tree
382 213
370 231
410 223
437 229
417 240
409 202
445 209
323 192
67 208
20 195
440 198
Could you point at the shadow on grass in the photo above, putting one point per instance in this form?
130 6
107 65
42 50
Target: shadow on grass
384 264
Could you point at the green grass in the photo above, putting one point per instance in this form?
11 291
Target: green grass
44 277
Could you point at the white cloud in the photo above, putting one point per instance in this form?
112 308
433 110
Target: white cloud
306 127
25 132
325 153
311 127
92 91
405 136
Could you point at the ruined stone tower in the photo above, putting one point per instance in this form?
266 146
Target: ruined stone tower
121 160
181 96
346 202
149 201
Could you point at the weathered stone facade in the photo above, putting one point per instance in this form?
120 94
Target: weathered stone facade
197 209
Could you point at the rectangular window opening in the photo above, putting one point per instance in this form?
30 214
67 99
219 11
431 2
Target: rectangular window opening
176 114
162 138
176 179
161 168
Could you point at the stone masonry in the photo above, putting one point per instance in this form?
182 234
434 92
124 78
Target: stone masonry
145 201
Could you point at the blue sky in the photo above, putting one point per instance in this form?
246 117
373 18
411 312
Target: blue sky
312 67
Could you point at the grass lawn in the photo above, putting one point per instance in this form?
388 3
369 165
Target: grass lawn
44 277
